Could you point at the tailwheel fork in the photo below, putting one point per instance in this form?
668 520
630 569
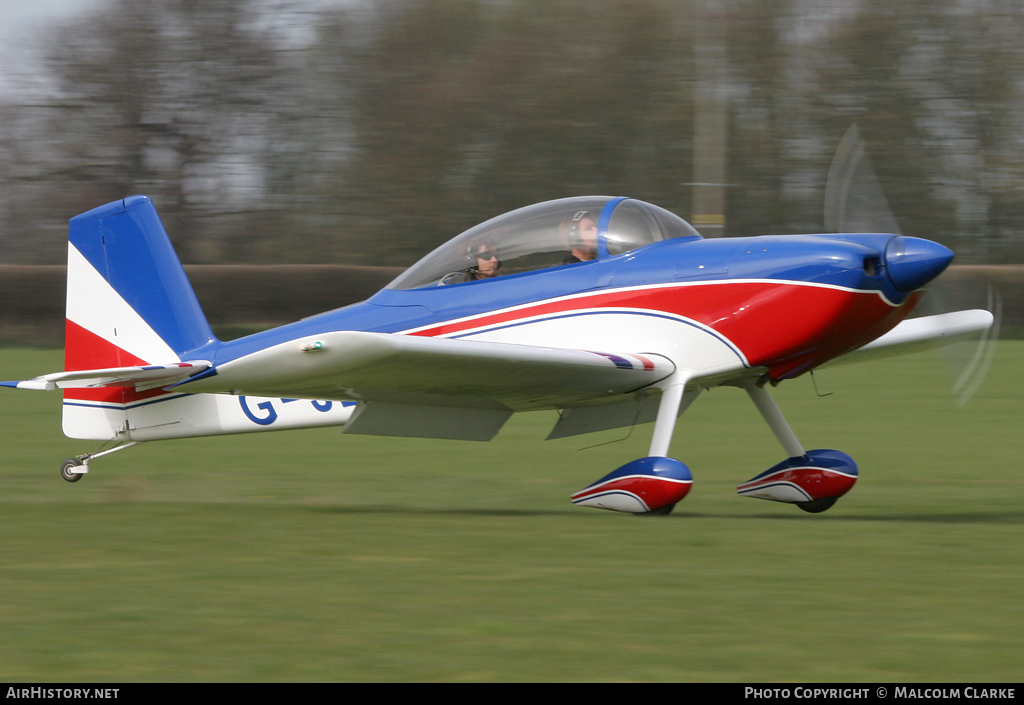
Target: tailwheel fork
72 469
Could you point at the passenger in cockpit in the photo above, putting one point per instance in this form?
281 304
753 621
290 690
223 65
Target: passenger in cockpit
483 256
581 233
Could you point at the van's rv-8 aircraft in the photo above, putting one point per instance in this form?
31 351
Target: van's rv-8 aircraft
611 310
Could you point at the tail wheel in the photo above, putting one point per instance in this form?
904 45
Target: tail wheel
67 470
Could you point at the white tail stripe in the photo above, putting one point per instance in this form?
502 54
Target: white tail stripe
94 305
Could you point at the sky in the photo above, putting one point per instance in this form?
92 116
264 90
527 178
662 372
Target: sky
20 22
19 18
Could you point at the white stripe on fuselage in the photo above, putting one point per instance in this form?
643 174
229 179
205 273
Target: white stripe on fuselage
601 311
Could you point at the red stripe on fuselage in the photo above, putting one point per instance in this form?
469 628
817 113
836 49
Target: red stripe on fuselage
787 327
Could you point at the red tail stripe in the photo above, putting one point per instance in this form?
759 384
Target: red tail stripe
84 350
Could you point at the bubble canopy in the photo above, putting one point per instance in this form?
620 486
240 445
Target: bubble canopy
563 233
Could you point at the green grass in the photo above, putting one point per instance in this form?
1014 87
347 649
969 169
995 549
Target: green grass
311 555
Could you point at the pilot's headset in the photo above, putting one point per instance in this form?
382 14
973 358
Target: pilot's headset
575 239
471 252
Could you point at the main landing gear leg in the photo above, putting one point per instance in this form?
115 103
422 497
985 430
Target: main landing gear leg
674 401
651 485
776 421
812 480
72 469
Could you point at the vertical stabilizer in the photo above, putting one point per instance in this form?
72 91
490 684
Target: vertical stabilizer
129 302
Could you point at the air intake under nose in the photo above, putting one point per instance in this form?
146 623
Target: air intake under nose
912 262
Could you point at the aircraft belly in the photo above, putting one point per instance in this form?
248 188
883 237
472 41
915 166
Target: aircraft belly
91 422
187 415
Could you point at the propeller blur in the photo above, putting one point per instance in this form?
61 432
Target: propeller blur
855 202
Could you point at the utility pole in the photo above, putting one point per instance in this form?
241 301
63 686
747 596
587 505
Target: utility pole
709 125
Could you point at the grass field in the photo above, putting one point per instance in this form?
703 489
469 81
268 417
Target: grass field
315 556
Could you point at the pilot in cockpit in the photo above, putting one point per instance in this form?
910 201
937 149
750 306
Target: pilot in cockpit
484 262
581 233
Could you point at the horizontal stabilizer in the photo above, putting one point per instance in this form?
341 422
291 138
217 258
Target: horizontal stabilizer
923 333
141 378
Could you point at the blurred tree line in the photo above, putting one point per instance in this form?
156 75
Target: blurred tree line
370 133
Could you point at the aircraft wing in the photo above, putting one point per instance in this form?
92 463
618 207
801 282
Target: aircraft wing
355 365
426 387
916 334
141 378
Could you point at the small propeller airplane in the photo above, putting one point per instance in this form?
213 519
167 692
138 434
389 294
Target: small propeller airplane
613 311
